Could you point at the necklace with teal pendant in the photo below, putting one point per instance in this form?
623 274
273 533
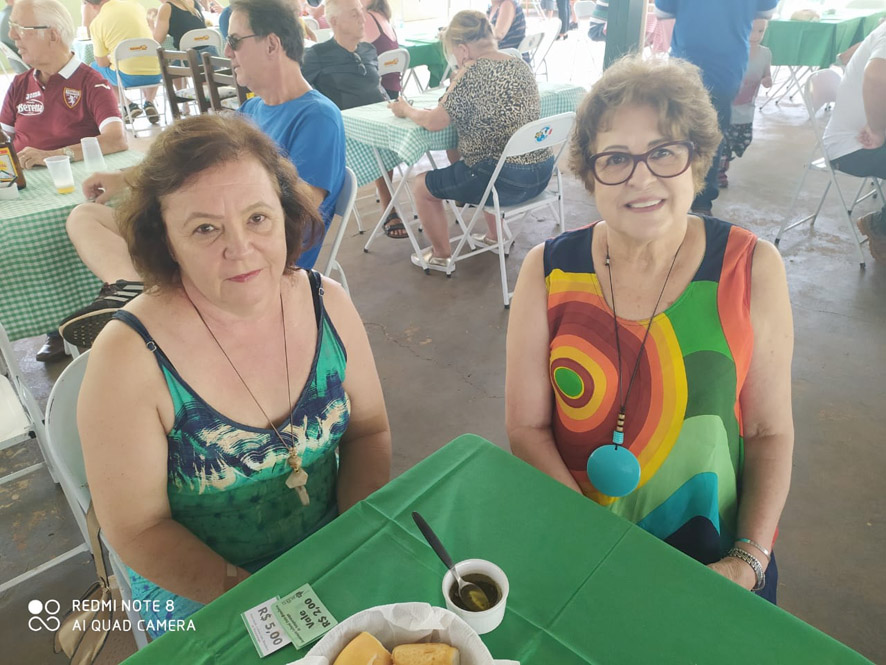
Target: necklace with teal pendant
612 468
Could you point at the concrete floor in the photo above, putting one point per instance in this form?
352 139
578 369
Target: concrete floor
439 346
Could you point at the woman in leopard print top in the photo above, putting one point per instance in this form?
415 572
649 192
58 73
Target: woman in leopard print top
490 98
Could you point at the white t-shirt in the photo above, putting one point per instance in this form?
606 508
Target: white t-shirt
848 117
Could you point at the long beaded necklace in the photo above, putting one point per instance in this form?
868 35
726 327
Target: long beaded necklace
613 469
298 479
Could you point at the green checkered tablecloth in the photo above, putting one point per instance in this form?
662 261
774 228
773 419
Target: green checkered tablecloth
42 279
402 141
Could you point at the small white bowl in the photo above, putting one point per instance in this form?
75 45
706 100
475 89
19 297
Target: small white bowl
488 620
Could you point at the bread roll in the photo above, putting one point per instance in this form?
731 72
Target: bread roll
425 654
364 650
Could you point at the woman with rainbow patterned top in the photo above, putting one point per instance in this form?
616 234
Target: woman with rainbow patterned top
649 354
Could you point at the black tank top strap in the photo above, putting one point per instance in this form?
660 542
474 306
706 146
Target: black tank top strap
317 294
135 323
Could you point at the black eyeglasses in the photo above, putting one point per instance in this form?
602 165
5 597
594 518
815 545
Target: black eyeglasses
234 41
359 63
667 160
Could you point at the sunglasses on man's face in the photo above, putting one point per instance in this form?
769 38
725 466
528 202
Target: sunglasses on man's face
234 41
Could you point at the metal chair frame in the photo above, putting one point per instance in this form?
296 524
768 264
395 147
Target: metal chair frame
21 421
547 132
819 91
131 48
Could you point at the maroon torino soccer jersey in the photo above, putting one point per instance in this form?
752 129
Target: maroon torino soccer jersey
77 102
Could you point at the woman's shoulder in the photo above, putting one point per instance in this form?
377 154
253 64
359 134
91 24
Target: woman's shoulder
570 251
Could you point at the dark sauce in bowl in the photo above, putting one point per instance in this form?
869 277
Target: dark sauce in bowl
486 584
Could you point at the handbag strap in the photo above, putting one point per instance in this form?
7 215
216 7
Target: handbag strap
94 529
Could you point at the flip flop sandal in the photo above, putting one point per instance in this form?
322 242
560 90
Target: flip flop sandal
393 226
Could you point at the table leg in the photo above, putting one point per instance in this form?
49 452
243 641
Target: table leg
395 194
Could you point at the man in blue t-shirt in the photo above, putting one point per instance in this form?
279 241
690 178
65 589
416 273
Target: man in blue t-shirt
265 44
713 34
268 45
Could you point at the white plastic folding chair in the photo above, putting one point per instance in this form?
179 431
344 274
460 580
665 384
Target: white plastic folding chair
395 61
819 91
21 422
511 52
202 37
344 205
311 23
323 34
67 453
531 44
134 48
547 132
15 62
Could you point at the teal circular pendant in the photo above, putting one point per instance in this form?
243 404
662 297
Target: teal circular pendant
614 470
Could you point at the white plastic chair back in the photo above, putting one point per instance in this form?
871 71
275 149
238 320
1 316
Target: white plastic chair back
547 132
64 443
64 437
311 23
511 51
543 133
202 37
18 65
344 205
821 89
584 9
531 43
133 48
395 61
323 34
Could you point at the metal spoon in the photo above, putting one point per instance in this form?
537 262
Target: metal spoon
473 597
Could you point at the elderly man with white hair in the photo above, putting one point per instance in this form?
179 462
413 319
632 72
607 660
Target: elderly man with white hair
59 101
345 69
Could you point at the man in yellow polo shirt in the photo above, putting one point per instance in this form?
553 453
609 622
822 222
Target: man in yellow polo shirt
110 22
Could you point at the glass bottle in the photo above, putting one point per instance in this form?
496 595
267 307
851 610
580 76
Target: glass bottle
9 165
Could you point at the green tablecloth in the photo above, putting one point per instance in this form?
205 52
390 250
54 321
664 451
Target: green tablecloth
427 52
586 586
402 141
42 279
816 44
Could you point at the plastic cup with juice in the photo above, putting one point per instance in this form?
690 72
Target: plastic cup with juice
60 171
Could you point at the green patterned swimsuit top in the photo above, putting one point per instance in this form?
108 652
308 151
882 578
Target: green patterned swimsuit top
226 481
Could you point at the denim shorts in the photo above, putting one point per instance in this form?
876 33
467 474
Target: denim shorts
516 183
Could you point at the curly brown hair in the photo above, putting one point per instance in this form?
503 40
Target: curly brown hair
181 153
672 87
